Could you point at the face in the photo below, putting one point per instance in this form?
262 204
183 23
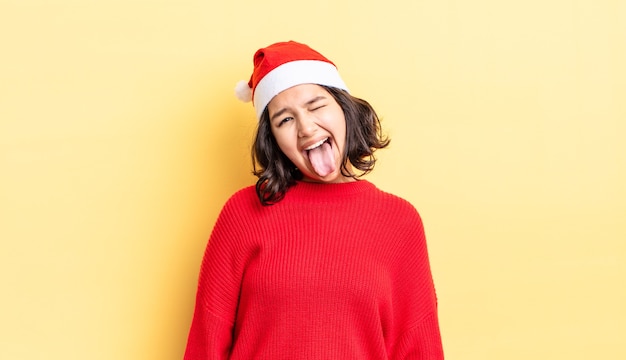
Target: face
310 129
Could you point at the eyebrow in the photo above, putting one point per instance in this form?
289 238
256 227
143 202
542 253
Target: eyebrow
283 110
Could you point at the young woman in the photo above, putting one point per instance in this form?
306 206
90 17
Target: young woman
313 263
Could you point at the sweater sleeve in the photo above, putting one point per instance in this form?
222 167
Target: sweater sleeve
418 335
421 342
209 337
211 333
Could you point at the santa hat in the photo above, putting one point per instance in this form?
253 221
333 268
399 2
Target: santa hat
281 66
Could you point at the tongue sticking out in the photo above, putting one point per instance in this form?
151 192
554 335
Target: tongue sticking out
322 159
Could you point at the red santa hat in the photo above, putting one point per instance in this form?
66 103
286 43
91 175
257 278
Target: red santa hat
281 66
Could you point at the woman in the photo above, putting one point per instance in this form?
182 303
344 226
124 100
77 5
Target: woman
313 263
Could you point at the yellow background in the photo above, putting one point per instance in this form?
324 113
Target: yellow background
120 139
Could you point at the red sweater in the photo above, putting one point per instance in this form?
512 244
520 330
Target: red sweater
333 271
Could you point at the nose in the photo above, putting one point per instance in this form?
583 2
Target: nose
306 125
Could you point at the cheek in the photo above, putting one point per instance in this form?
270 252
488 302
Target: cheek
284 143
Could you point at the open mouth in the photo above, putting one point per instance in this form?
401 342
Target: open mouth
317 144
321 157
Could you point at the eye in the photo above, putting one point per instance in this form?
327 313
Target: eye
318 107
284 121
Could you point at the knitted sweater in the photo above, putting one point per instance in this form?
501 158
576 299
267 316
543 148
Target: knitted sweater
333 271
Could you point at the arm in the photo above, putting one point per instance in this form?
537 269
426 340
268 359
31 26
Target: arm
210 336
421 342
419 336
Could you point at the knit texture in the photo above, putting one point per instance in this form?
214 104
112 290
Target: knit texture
333 271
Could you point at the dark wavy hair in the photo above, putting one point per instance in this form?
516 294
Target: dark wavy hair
277 173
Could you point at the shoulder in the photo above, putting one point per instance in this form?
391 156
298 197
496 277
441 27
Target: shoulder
243 195
400 217
241 202
395 204
235 218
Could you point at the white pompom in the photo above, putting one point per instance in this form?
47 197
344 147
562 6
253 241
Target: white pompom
243 91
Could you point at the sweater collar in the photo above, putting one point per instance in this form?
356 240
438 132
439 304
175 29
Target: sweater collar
325 192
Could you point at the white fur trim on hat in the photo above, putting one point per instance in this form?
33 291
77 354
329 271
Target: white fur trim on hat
291 74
